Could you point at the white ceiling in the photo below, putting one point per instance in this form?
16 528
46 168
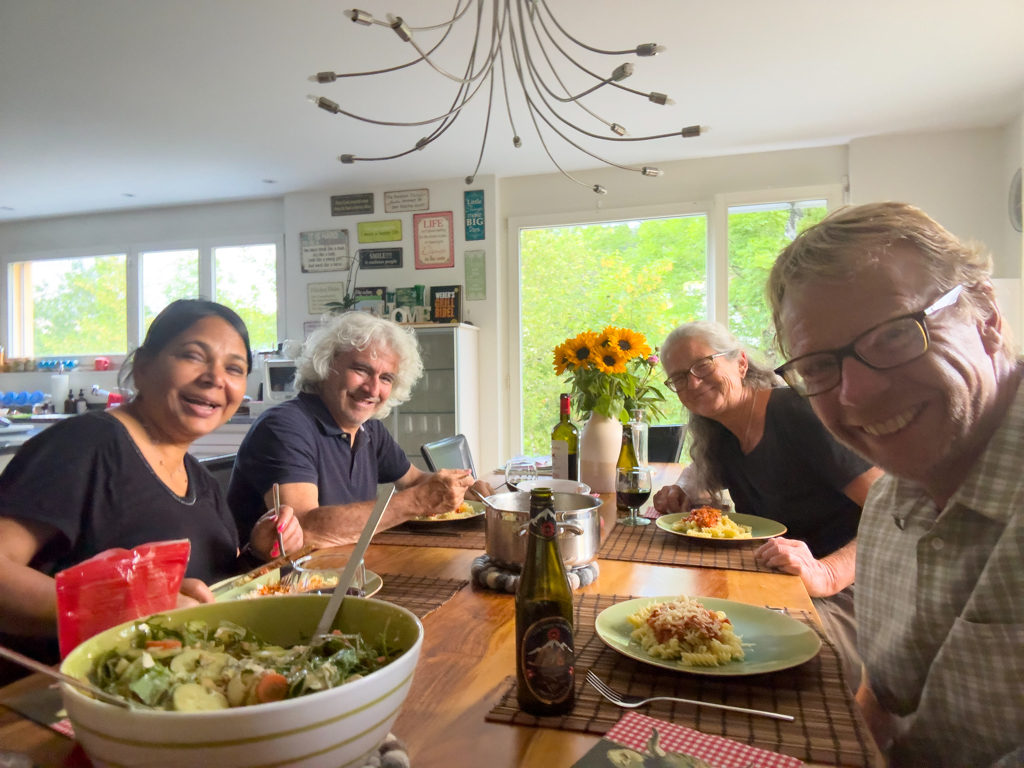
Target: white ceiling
177 101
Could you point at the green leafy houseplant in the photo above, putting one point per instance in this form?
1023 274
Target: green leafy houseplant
610 373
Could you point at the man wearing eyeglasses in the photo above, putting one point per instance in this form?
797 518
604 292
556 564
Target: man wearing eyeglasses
893 333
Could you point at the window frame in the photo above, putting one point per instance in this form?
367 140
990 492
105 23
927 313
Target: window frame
513 387
134 279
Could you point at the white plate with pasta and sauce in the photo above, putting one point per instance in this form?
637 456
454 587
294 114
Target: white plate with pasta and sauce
468 510
761 528
770 641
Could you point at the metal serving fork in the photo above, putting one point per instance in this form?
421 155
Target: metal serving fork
631 702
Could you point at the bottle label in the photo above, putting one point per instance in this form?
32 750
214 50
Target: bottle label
544 525
559 460
548 659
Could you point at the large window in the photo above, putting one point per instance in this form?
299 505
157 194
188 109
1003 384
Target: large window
105 303
756 235
647 275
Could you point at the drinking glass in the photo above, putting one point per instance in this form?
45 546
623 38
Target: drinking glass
519 471
632 490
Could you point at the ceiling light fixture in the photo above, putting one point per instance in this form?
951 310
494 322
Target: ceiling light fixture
523 30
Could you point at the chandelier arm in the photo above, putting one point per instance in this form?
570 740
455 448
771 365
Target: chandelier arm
504 82
458 15
580 43
408 63
487 125
554 71
534 112
469 77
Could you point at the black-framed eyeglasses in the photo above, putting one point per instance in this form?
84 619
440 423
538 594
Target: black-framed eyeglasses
698 370
887 345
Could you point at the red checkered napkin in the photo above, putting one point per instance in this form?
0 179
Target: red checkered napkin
634 731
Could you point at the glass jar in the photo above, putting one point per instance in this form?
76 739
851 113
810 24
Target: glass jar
638 423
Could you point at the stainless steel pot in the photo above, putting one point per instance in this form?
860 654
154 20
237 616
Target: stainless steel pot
579 528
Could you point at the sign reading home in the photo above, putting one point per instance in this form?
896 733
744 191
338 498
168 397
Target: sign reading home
379 231
432 236
351 205
324 251
407 200
380 258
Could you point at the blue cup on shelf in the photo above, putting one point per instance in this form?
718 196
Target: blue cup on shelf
21 398
36 397
9 398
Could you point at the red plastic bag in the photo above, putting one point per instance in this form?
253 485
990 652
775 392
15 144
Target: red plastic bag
117 586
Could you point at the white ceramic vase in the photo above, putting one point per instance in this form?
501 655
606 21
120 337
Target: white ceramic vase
599 452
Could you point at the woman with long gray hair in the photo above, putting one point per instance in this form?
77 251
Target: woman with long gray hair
763 443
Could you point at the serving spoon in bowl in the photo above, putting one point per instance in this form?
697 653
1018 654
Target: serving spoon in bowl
92 690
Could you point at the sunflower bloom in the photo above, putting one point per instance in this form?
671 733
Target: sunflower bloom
630 343
606 338
582 349
563 359
610 360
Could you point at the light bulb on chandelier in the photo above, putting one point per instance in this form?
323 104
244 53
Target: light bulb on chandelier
522 28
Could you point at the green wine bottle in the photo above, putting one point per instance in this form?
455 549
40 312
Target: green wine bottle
565 446
627 457
545 652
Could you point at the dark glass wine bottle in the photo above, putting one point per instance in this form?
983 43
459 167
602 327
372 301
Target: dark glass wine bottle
565 446
627 456
545 652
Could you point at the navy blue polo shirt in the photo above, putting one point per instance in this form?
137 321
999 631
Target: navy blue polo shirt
298 441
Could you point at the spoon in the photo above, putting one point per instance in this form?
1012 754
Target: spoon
92 690
277 516
354 559
482 500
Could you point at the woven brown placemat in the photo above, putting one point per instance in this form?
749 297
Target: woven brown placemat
828 727
650 544
420 594
469 534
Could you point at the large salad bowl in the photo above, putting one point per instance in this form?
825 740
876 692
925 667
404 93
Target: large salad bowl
337 727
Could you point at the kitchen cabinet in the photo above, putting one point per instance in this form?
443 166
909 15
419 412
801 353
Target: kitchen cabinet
446 400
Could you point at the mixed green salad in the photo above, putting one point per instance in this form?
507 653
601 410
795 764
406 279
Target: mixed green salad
194 668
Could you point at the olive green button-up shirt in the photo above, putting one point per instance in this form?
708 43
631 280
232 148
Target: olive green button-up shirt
940 609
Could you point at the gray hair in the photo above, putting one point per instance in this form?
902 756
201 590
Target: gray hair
706 434
359 331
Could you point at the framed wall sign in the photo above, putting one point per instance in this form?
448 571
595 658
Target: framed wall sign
476 275
380 258
379 231
324 251
475 214
350 205
432 237
407 201
318 294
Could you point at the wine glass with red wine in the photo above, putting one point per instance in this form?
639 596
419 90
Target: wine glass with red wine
633 489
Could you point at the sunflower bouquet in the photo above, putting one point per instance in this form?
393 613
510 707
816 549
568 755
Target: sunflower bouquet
610 372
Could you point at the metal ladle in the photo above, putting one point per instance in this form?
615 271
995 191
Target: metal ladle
92 690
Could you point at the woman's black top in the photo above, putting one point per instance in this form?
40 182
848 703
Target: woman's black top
87 478
795 475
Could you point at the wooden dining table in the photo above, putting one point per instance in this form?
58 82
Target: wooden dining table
469 653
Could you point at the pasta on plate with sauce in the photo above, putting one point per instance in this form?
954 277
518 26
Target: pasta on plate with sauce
683 629
710 523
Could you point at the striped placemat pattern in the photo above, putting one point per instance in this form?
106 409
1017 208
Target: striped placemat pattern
828 727
419 594
650 544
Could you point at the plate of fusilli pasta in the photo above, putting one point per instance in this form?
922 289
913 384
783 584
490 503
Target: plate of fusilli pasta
710 524
706 635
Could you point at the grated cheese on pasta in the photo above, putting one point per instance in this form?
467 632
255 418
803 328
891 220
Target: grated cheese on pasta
683 629
710 523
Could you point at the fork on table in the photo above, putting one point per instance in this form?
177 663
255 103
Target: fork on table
632 702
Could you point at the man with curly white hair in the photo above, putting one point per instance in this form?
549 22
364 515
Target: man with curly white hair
328 450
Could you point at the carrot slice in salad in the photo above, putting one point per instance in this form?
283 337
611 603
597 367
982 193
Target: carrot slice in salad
169 644
273 686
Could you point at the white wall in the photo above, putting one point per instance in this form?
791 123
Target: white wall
953 176
311 211
120 228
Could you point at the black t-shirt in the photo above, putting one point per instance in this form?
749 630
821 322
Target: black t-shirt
795 475
299 441
87 478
